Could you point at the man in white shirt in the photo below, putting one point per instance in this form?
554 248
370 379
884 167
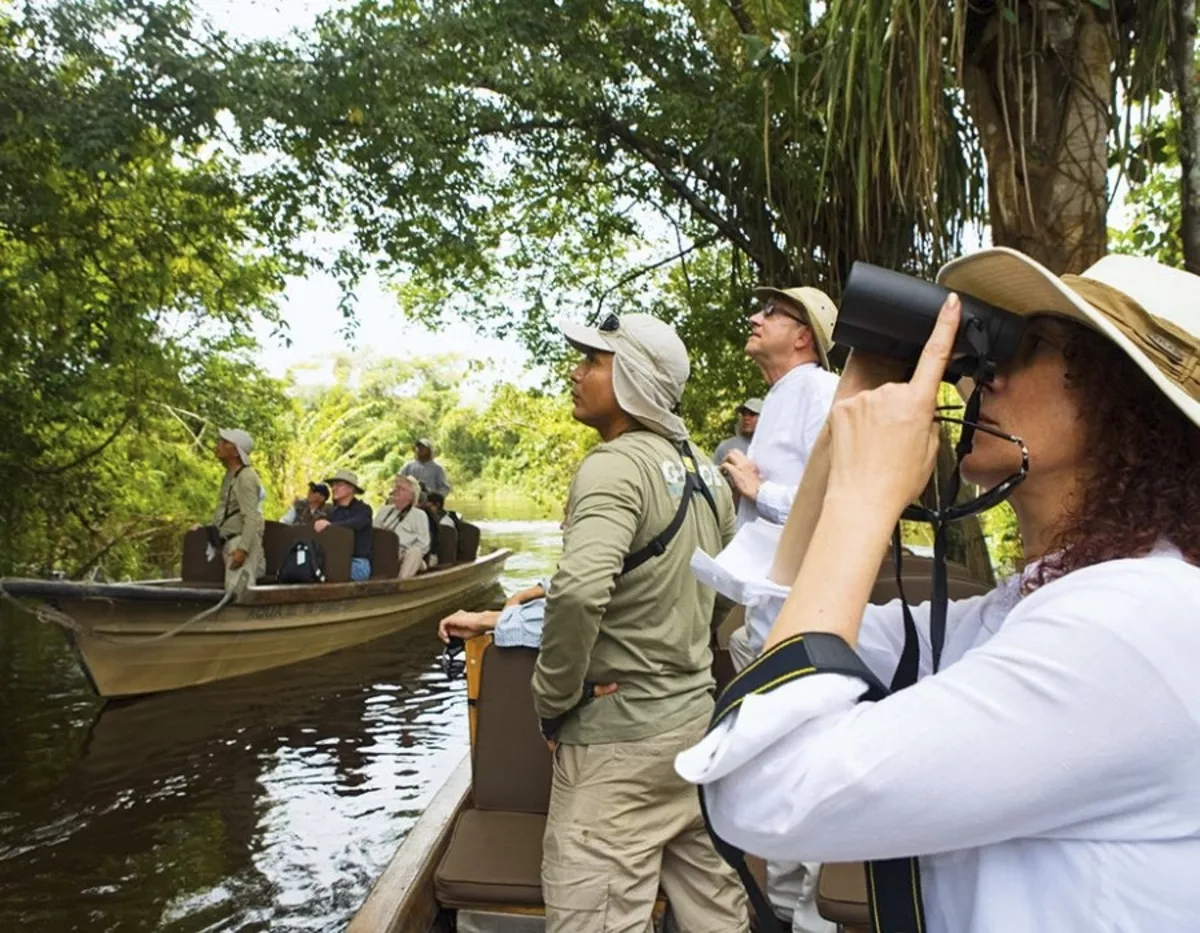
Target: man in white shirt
410 525
789 340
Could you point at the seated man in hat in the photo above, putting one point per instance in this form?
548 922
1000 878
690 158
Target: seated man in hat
307 510
237 525
427 471
355 514
408 522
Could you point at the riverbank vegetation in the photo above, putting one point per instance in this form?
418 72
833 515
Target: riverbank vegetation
161 181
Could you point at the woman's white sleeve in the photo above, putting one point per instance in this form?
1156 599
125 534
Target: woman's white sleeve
1058 725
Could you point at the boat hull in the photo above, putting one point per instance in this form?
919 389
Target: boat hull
268 627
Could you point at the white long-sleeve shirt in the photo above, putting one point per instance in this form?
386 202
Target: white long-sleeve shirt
1048 775
412 528
793 414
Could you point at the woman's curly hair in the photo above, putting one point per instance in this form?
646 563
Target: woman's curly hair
1142 481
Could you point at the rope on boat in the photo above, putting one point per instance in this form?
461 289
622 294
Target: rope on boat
52 615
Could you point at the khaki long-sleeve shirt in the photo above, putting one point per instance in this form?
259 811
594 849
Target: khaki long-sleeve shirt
647 631
237 506
412 528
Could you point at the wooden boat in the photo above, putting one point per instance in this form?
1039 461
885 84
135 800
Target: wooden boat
472 862
146 637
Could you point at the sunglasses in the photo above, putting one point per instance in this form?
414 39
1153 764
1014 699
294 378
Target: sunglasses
988 498
772 307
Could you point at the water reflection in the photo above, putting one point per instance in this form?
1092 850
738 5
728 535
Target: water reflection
263 803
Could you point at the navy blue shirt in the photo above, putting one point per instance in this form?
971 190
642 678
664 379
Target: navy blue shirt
357 517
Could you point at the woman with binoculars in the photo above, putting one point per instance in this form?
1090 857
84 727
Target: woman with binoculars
1047 776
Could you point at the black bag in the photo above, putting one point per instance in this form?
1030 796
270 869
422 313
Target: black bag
304 562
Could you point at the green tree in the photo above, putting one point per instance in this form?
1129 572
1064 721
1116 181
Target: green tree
128 265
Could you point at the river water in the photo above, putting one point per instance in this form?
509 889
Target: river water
269 802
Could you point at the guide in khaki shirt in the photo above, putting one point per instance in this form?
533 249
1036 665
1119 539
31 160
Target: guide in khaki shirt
622 683
237 517
649 630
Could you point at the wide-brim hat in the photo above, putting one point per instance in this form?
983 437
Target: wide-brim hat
346 476
650 367
239 439
1150 311
817 310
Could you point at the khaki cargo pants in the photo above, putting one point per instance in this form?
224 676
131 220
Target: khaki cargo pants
621 823
253 568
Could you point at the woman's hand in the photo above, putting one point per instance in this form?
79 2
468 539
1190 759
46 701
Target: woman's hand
884 440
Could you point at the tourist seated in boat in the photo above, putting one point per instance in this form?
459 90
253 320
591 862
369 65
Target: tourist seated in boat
623 607
350 511
236 531
517 625
435 504
409 523
1044 777
307 510
425 470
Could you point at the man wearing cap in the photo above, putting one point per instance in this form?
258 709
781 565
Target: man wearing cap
308 510
789 340
427 471
623 612
353 513
747 421
237 519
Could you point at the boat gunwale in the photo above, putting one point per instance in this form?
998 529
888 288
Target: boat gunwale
268 594
403 900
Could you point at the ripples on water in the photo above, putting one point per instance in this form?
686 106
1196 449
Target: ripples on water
269 802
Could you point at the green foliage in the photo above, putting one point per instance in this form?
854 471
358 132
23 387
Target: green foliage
1153 202
127 267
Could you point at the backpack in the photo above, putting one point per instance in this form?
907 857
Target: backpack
304 562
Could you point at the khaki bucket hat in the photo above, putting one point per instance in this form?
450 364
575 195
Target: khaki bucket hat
1150 311
239 439
346 476
817 309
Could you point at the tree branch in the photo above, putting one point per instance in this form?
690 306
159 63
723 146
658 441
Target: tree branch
78 461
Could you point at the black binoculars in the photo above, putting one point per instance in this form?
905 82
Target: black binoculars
892 314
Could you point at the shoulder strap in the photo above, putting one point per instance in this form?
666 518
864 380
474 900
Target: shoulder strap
657 546
893 885
231 506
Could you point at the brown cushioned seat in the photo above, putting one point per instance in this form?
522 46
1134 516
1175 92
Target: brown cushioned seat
338 544
494 857
447 550
385 555
196 567
277 541
495 851
468 542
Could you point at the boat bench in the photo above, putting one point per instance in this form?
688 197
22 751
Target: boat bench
491 872
494 858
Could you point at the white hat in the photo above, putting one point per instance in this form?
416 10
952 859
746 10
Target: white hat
650 367
817 311
1150 311
239 439
424 442
752 405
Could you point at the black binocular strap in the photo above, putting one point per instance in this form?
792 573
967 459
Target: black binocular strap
893 885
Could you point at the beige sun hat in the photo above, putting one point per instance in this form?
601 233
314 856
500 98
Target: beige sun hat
1150 311
239 439
818 310
650 367
346 476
